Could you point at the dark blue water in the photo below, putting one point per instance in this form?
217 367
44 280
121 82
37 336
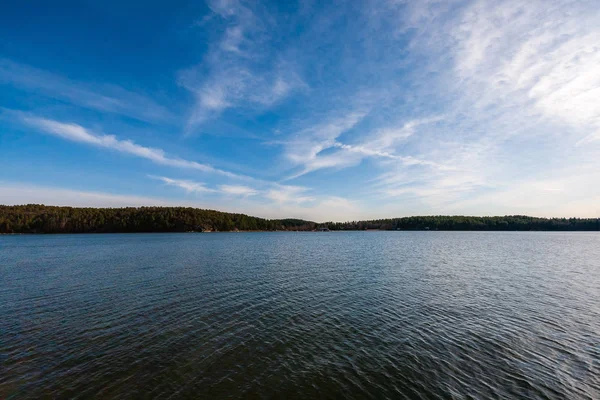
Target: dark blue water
301 315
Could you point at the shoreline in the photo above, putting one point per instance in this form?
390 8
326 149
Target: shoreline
41 219
332 231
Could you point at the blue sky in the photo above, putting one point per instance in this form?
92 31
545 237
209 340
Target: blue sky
318 110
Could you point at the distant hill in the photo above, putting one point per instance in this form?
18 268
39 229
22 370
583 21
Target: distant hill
35 218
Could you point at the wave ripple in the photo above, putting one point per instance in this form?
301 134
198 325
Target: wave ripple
416 315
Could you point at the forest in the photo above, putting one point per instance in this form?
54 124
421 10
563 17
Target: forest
466 223
35 218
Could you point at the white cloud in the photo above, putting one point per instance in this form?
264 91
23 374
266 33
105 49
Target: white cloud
105 98
275 201
276 193
239 71
238 190
199 187
539 56
283 194
383 143
518 87
187 185
386 139
236 85
77 133
306 147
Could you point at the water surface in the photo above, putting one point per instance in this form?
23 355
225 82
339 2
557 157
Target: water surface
301 315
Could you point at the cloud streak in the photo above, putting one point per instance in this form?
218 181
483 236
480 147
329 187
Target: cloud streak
320 146
305 147
187 185
238 190
104 98
274 201
77 133
279 194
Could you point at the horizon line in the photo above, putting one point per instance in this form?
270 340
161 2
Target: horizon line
298 218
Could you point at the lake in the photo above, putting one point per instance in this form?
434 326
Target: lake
301 315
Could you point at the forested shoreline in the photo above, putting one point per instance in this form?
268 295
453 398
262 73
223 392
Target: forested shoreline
34 218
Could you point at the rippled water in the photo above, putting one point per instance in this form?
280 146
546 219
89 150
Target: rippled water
301 315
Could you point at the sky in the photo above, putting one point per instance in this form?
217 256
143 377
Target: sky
327 111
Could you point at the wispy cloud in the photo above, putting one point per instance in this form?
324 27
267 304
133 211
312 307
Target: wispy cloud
279 194
238 190
540 56
286 194
238 70
105 98
320 146
187 185
274 201
404 107
79 134
517 86
384 143
273 192
304 148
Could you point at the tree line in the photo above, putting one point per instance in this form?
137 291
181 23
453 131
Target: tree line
35 218
466 223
